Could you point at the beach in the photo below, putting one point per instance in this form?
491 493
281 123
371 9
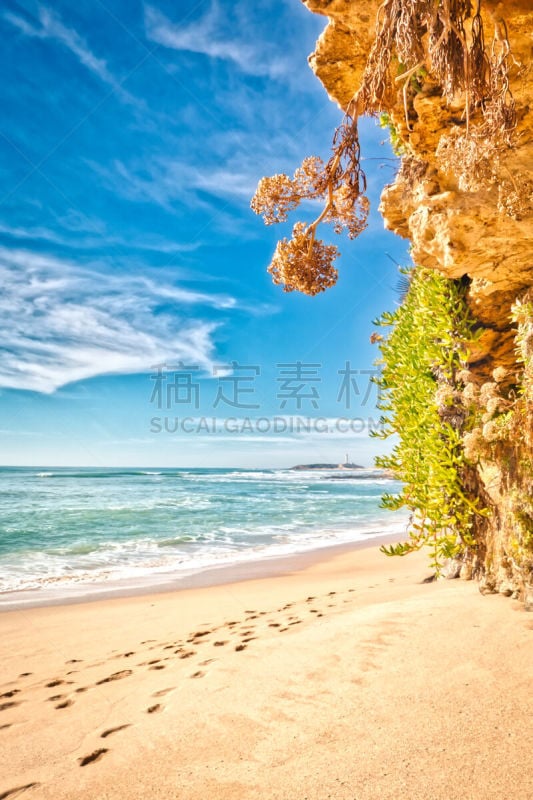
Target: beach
344 676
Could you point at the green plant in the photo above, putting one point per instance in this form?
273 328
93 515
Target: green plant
397 144
421 356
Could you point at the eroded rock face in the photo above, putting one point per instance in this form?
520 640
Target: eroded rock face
458 222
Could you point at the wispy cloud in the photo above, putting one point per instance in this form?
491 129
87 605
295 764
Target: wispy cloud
166 180
60 323
49 25
99 239
230 171
212 35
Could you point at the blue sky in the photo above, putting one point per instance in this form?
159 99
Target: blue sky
131 141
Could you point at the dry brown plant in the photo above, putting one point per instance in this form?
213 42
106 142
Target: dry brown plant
439 41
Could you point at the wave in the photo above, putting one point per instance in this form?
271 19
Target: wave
83 564
80 475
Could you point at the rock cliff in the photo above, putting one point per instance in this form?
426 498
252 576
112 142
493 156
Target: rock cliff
469 217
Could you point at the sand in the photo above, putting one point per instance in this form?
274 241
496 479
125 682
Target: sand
348 679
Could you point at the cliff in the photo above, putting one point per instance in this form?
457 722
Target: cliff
467 210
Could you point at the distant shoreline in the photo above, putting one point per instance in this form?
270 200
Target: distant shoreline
316 467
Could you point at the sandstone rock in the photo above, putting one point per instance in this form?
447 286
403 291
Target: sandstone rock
463 227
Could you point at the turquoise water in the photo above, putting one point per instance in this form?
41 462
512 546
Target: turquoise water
65 527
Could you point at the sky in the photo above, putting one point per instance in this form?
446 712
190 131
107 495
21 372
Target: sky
138 324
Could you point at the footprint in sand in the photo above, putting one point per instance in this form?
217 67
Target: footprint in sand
198 674
240 647
25 674
55 682
110 731
188 654
65 704
5 706
154 709
158 666
96 755
11 693
220 643
163 692
116 676
199 635
18 790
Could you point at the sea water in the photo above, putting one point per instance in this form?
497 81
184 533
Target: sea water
64 527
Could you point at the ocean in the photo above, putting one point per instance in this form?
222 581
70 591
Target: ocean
66 532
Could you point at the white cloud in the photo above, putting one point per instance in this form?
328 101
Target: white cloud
97 238
60 323
51 27
166 180
206 37
230 170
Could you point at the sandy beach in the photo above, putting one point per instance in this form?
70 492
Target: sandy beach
350 678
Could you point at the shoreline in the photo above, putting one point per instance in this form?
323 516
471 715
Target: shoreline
154 583
347 677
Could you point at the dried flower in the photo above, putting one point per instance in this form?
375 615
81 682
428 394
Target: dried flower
495 404
310 179
274 198
487 391
491 432
349 211
499 374
470 392
463 376
304 263
472 445
444 396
